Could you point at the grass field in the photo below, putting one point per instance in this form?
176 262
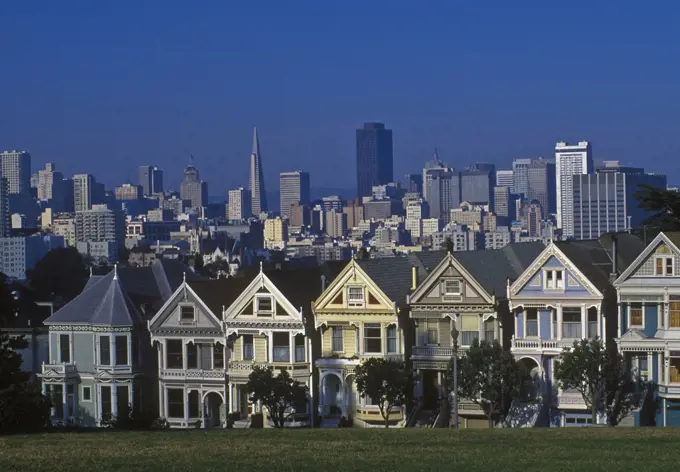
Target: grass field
331 450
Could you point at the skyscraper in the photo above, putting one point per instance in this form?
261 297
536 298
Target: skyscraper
504 178
605 202
52 188
294 188
519 177
570 160
258 195
541 184
151 180
477 186
83 190
16 169
4 207
374 157
193 189
413 183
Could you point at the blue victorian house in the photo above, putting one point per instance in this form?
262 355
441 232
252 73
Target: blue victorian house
564 296
649 323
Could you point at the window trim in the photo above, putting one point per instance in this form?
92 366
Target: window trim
396 338
128 354
453 294
629 315
82 393
538 323
668 308
664 266
99 349
554 272
70 347
243 347
183 320
356 304
342 339
256 305
379 327
670 382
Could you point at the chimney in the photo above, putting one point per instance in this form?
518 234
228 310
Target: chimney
414 277
615 273
323 283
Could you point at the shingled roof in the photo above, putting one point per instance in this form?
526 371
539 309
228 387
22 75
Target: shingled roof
493 268
102 302
392 275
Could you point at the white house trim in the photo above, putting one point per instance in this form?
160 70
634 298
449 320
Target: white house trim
644 255
248 295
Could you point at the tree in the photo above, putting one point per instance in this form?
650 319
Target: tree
665 205
448 245
598 374
280 394
489 376
386 382
61 274
22 406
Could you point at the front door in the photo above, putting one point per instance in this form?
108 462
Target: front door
430 389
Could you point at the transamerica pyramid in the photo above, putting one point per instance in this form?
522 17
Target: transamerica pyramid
258 196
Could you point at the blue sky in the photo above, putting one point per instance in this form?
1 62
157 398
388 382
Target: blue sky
103 87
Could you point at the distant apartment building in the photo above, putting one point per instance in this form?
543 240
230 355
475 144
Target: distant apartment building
50 183
570 160
16 170
293 188
20 254
128 192
300 216
334 202
414 226
238 208
381 209
324 253
497 239
532 215
84 192
98 226
605 202
193 189
431 226
477 185
413 183
159 214
442 190
355 213
4 207
275 232
64 225
467 215
335 224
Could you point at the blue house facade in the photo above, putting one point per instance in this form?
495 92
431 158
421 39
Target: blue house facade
554 304
648 295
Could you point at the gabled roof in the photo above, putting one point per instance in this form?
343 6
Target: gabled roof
220 293
392 275
672 239
591 259
493 268
103 302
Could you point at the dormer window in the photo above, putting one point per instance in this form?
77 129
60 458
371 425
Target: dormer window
553 279
355 296
264 305
187 314
665 265
452 288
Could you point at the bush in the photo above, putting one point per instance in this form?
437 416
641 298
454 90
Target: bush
160 423
346 422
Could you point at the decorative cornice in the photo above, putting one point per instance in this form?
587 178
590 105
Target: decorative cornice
447 308
92 328
265 324
187 331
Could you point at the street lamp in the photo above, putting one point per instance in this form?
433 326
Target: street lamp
454 338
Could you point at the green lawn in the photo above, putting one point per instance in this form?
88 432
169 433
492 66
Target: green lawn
331 450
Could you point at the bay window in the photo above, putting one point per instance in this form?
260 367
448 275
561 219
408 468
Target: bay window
372 338
281 347
674 314
247 347
175 402
336 343
469 329
571 323
674 369
531 322
104 350
299 348
218 356
121 350
636 315
391 339
64 348
174 358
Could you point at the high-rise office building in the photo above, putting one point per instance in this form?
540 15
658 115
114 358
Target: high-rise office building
128 192
504 178
239 206
501 199
336 224
4 207
100 232
605 202
294 188
193 189
47 178
570 160
84 192
258 195
520 178
16 169
531 218
151 180
441 189
477 185
541 185
374 157
413 183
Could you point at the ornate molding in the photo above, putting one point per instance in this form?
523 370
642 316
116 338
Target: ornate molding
92 328
264 324
447 308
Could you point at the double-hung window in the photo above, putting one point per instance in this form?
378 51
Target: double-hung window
121 350
372 338
469 329
337 344
636 316
665 265
64 348
532 322
104 350
247 347
553 279
391 334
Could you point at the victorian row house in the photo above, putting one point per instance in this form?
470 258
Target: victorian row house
648 334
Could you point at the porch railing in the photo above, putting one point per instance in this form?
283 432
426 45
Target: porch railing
433 351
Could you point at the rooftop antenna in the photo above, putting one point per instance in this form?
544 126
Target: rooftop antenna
191 160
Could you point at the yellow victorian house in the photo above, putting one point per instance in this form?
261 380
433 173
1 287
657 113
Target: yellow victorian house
361 314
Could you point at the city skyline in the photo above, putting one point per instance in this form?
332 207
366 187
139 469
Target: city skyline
116 113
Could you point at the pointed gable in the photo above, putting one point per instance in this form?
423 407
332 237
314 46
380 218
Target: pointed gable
102 302
644 265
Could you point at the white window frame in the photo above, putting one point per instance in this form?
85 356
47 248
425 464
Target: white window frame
114 351
112 354
664 258
70 347
82 393
356 303
256 304
553 273
538 323
628 314
243 348
179 314
342 339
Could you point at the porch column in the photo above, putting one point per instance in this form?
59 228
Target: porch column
204 413
291 342
322 394
131 361
131 396
163 358
44 389
650 367
114 400
618 321
269 339
666 312
584 321
598 316
558 313
660 315
161 400
186 406
664 412
439 384
184 355
231 398
64 397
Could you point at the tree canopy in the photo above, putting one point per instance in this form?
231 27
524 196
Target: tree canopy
280 394
664 205
60 275
598 374
386 382
489 376
448 245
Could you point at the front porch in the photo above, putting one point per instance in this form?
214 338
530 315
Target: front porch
193 407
